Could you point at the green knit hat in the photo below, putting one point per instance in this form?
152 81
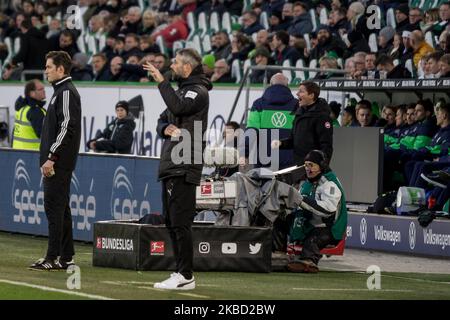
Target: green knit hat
209 60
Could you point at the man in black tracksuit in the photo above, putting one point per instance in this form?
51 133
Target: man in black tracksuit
187 108
312 128
60 142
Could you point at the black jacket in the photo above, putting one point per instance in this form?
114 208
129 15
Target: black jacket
33 48
61 132
188 104
399 72
312 130
103 74
117 136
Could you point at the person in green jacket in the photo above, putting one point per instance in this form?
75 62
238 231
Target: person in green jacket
322 217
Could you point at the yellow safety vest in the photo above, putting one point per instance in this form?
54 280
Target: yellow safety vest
24 135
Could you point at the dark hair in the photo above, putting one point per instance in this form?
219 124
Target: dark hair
350 110
342 11
26 24
100 55
30 86
436 56
427 105
283 36
383 60
311 88
252 13
446 108
68 33
402 108
233 124
60 59
132 35
364 104
301 4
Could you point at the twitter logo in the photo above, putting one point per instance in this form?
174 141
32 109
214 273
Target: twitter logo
254 249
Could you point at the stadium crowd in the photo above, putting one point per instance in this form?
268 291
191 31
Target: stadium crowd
113 39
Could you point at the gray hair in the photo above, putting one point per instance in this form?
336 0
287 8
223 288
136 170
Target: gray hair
190 56
279 78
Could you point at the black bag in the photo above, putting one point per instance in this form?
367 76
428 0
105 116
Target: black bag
152 218
386 200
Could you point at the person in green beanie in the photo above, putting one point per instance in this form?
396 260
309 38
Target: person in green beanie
208 62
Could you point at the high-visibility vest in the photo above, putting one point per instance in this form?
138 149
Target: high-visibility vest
24 135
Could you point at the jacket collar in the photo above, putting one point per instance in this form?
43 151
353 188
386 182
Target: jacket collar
61 81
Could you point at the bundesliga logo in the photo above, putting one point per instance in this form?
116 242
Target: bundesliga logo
157 248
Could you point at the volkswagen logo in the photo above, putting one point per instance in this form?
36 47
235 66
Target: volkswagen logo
412 235
279 119
363 231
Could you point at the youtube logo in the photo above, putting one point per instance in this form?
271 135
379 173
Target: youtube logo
229 248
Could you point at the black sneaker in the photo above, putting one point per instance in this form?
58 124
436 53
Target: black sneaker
66 264
46 265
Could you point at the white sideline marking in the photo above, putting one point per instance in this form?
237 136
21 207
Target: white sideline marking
44 288
414 279
129 284
350 289
194 295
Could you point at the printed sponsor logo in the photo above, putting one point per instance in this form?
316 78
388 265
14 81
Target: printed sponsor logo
393 236
436 239
119 244
412 235
363 231
157 248
205 189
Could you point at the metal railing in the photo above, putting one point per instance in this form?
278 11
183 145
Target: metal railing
246 82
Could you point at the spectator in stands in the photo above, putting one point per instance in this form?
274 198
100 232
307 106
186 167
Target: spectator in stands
326 44
371 69
147 45
432 69
119 45
397 47
364 114
161 63
312 128
54 28
282 51
302 21
81 70
116 68
251 23
415 19
96 26
408 51
30 114
288 11
349 117
131 22
277 22
262 39
444 66
176 29
349 68
222 72
392 135
208 62
444 17
223 49
327 63
117 137
67 43
241 46
420 46
401 18
33 48
335 112
385 39
356 16
443 40
359 59
100 67
387 119
272 6
431 20
338 22
149 23
277 99
262 58
27 8
108 49
355 43
131 46
387 70
322 216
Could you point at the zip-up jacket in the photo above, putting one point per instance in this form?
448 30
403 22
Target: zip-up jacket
186 107
117 136
312 130
61 132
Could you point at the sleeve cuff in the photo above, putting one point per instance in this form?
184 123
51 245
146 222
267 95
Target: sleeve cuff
53 157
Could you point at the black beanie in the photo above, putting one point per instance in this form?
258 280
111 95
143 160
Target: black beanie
123 104
318 157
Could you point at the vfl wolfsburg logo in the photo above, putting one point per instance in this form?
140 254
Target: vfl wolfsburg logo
363 231
279 119
412 235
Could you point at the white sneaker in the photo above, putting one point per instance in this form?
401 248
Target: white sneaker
176 282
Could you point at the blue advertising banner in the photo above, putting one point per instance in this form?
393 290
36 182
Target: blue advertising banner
103 187
398 234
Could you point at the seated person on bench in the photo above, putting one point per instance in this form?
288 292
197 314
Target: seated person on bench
118 134
322 216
